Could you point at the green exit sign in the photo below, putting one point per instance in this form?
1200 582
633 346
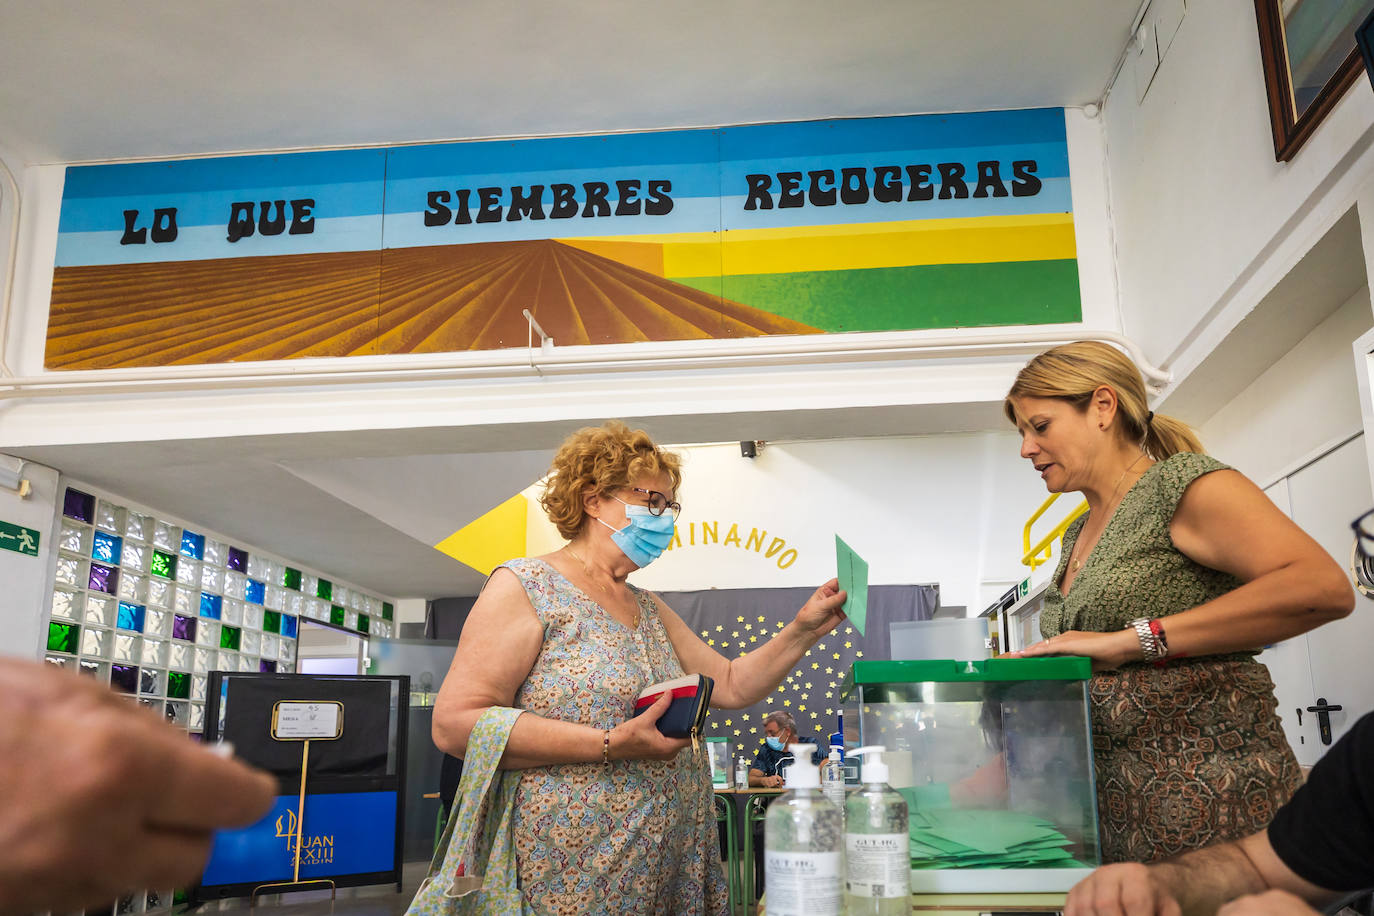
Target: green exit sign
19 539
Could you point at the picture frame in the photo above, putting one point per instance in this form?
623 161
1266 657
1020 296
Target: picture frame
1310 59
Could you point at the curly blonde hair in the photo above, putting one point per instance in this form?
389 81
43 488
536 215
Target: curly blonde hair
600 459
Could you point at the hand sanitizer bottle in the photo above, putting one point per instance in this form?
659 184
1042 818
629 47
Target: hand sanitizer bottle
832 777
742 773
877 857
802 838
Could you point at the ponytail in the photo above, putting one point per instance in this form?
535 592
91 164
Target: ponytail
1165 436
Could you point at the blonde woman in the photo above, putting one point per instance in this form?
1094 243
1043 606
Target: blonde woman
610 816
1179 573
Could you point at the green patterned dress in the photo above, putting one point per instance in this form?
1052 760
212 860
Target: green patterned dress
1191 753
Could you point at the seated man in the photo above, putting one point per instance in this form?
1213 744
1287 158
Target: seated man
773 758
1319 847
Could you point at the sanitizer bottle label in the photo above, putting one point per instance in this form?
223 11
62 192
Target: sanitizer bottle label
802 883
878 865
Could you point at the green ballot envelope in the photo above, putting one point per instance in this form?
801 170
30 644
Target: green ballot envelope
994 758
852 571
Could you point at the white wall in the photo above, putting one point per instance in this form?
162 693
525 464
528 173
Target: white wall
1305 401
26 582
941 509
1205 220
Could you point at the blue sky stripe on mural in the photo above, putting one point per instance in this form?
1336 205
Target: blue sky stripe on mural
933 132
226 173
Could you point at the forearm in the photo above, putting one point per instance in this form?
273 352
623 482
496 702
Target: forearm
1203 880
1271 608
751 677
533 741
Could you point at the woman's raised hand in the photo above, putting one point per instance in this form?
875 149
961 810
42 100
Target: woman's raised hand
822 613
639 738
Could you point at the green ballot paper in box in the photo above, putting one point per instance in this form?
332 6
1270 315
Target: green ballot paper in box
994 759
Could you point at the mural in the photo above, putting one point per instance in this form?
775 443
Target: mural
874 224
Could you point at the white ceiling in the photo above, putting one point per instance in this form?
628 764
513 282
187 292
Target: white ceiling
82 81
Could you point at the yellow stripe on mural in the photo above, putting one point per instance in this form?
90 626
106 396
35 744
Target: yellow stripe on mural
854 246
490 539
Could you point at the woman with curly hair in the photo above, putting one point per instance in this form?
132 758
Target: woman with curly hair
1179 573
610 815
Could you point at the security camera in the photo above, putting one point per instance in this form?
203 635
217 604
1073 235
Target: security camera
749 449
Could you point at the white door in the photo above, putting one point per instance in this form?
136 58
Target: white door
1291 670
1325 497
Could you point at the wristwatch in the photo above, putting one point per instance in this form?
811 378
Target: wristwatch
1151 635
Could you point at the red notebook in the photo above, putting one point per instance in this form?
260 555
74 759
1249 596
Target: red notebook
686 714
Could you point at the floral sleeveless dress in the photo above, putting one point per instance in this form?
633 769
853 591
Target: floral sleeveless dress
634 836
1191 753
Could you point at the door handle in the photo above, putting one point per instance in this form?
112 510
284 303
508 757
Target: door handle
1323 711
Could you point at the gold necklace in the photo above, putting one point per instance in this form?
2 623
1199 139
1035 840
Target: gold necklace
1074 562
587 571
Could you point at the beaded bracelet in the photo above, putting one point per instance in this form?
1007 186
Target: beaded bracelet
605 745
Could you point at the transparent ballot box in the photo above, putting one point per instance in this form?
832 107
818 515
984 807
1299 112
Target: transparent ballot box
994 758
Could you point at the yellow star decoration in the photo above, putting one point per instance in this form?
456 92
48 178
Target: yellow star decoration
781 688
848 631
829 670
748 626
847 643
780 624
833 684
760 618
859 654
739 619
801 708
728 722
813 715
808 685
719 628
735 634
787 702
815 665
836 655
703 634
829 695
725 645
753 639
710 642
737 733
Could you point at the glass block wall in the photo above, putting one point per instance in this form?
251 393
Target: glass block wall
150 606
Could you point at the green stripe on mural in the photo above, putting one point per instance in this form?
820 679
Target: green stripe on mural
907 298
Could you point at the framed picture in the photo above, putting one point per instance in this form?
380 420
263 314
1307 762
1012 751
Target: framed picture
1310 60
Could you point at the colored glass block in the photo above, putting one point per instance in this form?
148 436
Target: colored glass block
150 682
107 548
387 610
124 678
211 606
324 589
337 615
69 571
288 626
254 591
130 617
63 637
183 628
192 545
78 505
154 652
267 666
363 621
229 638
212 579
136 526
271 622
178 685
103 579
291 578
237 560
163 565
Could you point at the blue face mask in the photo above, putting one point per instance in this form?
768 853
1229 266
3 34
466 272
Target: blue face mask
646 536
774 742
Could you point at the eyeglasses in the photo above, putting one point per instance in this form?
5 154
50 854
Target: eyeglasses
1364 534
658 503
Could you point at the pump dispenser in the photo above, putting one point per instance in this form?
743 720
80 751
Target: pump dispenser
802 838
832 777
877 861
